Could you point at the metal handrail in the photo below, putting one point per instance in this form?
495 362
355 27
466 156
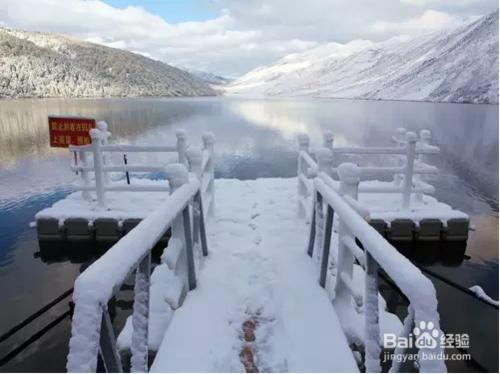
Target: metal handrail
92 332
407 175
200 161
129 148
377 253
421 149
118 168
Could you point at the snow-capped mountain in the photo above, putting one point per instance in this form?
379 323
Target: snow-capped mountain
459 65
210 78
36 64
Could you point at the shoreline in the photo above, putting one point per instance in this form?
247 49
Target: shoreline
237 96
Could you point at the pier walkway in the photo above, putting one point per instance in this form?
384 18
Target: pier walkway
272 275
256 277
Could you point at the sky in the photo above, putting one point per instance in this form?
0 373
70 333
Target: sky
231 37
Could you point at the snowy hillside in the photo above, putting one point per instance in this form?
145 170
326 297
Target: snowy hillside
210 78
51 65
458 65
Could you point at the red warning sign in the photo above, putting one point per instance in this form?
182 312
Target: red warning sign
70 130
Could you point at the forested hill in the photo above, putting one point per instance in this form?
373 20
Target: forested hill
36 64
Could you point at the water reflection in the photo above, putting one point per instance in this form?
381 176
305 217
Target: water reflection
255 138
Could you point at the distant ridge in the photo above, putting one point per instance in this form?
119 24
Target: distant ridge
459 65
36 64
210 78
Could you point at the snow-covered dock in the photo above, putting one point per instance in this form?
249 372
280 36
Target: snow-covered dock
257 273
401 210
251 283
75 218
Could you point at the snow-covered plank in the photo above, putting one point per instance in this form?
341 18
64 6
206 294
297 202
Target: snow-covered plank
254 274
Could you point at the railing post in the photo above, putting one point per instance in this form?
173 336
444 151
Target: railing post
399 137
303 140
188 240
202 231
312 227
140 317
102 126
177 175
349 175
425 137
408 325
371 314
107 346
82 155
324 158
195 159
328 140
208 145
327 236
95 134
181 146
411 138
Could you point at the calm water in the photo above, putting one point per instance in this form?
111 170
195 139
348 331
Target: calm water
255 138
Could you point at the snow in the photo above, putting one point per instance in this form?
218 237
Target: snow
253 273
121 205
416 287
160 313
257 269
95 286
170 257
440 66
139 347
34 64
482 295
388 206
213 79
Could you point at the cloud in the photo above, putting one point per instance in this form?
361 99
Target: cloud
430 20
453 3
244 34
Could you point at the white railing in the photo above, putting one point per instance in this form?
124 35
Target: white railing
358 243
91 331
409 153
199 161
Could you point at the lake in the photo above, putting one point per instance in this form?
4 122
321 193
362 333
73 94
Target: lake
255 138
